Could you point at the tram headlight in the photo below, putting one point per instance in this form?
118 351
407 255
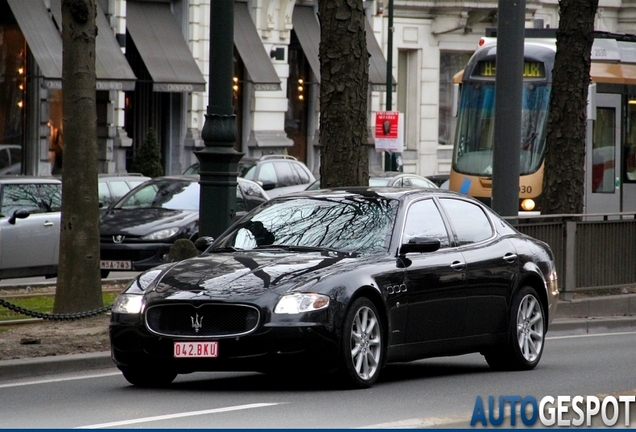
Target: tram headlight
528 204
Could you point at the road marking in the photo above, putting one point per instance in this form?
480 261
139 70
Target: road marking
591 335
53 380
178 415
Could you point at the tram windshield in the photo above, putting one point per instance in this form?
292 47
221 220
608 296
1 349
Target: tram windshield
475 137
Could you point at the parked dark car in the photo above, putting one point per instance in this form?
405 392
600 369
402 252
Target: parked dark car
29 226
138 230
345 281
278 174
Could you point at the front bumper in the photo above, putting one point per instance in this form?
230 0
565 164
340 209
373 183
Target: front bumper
142 256
285 346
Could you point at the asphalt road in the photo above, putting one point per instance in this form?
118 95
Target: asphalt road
435 392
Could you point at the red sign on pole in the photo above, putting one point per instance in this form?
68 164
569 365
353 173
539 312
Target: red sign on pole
388 133
386 124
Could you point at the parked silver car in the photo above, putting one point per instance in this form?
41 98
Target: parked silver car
29 226
277 174
111 187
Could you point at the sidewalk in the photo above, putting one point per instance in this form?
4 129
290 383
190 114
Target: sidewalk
594 315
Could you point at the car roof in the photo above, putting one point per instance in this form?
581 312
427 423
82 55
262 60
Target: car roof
196 178
384 191
124 176
20 179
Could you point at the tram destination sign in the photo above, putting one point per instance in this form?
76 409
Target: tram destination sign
530 69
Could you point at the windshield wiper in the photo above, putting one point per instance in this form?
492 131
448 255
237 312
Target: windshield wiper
296 248
224 249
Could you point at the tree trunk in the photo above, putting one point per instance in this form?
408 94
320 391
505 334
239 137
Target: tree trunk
344 84
564 180
78 281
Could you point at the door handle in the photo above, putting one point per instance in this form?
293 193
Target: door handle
458 265
510 257
48 224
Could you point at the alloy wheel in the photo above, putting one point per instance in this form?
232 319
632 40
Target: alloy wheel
530 334
366 343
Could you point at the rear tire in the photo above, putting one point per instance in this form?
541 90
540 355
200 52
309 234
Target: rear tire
148 378
361 345
526 334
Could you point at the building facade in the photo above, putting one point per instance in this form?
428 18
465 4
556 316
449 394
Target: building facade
152 66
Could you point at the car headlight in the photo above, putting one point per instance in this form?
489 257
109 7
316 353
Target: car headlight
128 304
299 303
145 279
161 234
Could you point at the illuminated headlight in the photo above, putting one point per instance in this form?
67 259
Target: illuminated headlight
161 234
128 304
299 303
528 204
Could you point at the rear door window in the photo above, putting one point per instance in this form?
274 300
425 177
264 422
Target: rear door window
286 174
469 221
50 197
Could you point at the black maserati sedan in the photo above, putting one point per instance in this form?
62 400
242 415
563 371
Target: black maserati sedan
342 281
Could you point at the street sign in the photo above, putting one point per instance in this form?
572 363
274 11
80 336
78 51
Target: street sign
389 134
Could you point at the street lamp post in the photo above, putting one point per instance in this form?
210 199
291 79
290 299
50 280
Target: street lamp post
218 161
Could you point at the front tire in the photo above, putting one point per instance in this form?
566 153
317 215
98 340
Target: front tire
362 344
526 334
148 378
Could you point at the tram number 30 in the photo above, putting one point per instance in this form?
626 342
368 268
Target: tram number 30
525 189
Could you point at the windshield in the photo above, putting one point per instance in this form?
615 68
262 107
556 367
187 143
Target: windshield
165 194
352 224
476 128
378 181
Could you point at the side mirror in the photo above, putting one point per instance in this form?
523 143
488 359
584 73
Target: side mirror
202 243
420 245
267 185
18 214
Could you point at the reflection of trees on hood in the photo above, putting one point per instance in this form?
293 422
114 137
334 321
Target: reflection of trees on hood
353 223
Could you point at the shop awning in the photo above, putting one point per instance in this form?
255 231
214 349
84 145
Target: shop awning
111 68
162 47
377 62
41 35
250 47
307 30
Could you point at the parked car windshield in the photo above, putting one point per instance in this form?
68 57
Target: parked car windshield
346 224
165 194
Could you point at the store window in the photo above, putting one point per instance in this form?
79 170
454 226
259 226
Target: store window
12 89
629 150
450 63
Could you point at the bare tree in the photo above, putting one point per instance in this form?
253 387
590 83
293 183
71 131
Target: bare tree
344 83
78 282
563 184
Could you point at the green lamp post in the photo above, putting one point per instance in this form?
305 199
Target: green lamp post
218 160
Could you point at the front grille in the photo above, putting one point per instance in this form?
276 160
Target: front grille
207 320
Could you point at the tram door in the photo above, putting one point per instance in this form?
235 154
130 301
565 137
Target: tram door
603 156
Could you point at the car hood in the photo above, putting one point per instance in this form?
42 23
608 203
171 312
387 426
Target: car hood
250 274
142 221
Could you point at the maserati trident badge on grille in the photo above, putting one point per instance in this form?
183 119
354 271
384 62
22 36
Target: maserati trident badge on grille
197 323
118 238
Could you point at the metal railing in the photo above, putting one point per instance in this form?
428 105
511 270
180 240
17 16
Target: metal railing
592 251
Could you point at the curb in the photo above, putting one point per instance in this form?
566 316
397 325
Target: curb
33 367
591 325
